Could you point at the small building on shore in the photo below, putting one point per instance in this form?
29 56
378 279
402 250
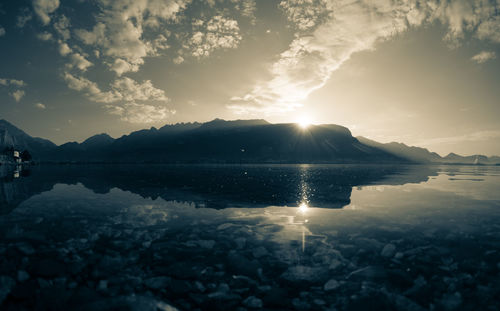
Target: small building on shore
17 157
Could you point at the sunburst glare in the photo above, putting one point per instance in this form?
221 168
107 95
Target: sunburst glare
304 122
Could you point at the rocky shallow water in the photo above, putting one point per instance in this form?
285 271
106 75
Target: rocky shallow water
401 247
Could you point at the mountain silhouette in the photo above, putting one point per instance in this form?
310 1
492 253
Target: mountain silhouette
415 154
97 141
422 155
239 141
11 136
219 141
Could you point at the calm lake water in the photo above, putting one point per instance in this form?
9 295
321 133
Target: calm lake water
304 237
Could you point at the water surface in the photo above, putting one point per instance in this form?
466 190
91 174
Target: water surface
305 237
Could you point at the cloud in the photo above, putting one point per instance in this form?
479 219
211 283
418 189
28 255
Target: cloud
40 106
43 8
121 66
178 60
490 29
17 95
328 32
77 60
44 36
7 82
23 18
2 31
158 44
126 32
90 89
64 48
247 8
305 14
218 33
140 113
483 57
123 89
122 97
119 30
130 90
62 27
15 86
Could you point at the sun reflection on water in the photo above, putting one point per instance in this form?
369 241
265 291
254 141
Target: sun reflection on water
303 207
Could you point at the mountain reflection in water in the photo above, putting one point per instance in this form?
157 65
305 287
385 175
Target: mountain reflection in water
214 186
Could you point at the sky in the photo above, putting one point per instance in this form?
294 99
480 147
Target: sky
426 73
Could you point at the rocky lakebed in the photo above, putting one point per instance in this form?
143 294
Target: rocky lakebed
91 264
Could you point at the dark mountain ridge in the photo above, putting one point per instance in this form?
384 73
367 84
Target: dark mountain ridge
422 155
239 141
11 136
415 154
246 141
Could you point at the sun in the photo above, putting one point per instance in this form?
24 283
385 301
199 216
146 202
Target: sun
304 122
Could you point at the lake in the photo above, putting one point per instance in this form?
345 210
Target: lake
211 237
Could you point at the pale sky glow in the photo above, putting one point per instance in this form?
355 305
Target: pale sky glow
420 72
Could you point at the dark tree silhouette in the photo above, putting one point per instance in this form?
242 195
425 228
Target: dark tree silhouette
26 156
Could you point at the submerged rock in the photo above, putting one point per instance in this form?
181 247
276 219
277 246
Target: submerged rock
223 295
158 282
239 264
208 244
26 249
44 283
259 252
133 302
253 302
304 273
388 250
451 301
418 284
319 302
22 276
225 226
372 272
240 242
369 244
6 285
335 264
103 285
276 297
199 286
403 303
50 268
332 284
299 304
